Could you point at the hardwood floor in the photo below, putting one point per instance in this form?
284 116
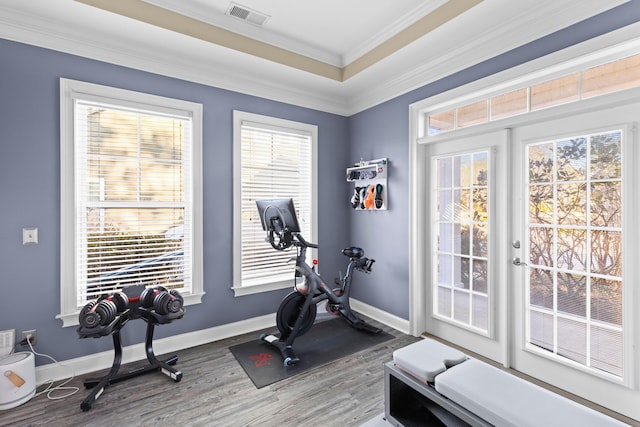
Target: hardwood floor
215 391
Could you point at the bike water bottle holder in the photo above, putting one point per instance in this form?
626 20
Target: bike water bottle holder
368 265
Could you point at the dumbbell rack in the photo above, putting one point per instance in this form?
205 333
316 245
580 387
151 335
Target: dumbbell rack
152 318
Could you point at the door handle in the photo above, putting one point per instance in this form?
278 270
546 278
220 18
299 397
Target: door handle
516 261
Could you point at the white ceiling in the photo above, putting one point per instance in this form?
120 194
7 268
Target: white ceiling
334 34
333 31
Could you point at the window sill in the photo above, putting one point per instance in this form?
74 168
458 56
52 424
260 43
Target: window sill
240 291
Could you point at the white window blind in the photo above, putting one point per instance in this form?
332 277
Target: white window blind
275 162
131 194
133 212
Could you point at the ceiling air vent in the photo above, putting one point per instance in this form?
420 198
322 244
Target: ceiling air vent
246 14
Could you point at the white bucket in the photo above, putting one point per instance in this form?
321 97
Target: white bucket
17 379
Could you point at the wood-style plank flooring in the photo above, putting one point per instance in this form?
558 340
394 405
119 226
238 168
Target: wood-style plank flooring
215 391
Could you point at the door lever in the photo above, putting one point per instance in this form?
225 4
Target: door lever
516 261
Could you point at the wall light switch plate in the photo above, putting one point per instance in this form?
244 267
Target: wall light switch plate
30 236
7 341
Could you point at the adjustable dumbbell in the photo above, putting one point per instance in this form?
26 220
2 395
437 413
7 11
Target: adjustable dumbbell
168 302
99 312
149 295
120 300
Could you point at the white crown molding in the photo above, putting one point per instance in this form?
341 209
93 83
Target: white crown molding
507 37
257 33
391 30
219 19
201 62
590 53
31 30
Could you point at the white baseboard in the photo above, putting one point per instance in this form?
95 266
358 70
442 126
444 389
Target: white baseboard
136 352
381 316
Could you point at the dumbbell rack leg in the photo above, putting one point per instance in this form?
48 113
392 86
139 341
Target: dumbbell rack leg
112 377
155 364
99 385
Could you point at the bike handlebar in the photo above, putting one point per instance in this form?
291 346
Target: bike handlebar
286 238
303 242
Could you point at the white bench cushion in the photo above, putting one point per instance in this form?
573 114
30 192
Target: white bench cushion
427 358
503 399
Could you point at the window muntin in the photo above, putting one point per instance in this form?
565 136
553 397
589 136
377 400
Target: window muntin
131 195
275 158
575 279
461 243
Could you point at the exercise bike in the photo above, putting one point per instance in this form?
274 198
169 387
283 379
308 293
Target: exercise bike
297 311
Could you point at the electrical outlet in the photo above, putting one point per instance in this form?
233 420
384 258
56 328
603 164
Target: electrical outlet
31 334
7 341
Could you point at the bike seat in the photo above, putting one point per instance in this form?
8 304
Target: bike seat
353 252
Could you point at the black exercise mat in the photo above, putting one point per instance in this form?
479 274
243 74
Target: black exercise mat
325 342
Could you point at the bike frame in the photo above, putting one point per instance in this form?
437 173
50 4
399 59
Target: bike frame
317 291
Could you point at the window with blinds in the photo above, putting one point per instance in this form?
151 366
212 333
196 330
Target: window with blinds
133 217
132 180
274 159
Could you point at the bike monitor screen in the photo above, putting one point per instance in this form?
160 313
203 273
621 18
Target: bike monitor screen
278 214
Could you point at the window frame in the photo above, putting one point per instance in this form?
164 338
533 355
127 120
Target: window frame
239 117
72 90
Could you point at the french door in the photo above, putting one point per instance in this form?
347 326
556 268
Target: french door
532 249
574 187
466 220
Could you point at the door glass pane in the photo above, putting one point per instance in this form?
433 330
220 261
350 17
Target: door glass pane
461 248
572 203
541 329
575 249
572 159
480 240
572 340
604 345
541 288
572 249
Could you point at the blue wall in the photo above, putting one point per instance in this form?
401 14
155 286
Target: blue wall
30 190
383 131
30 193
